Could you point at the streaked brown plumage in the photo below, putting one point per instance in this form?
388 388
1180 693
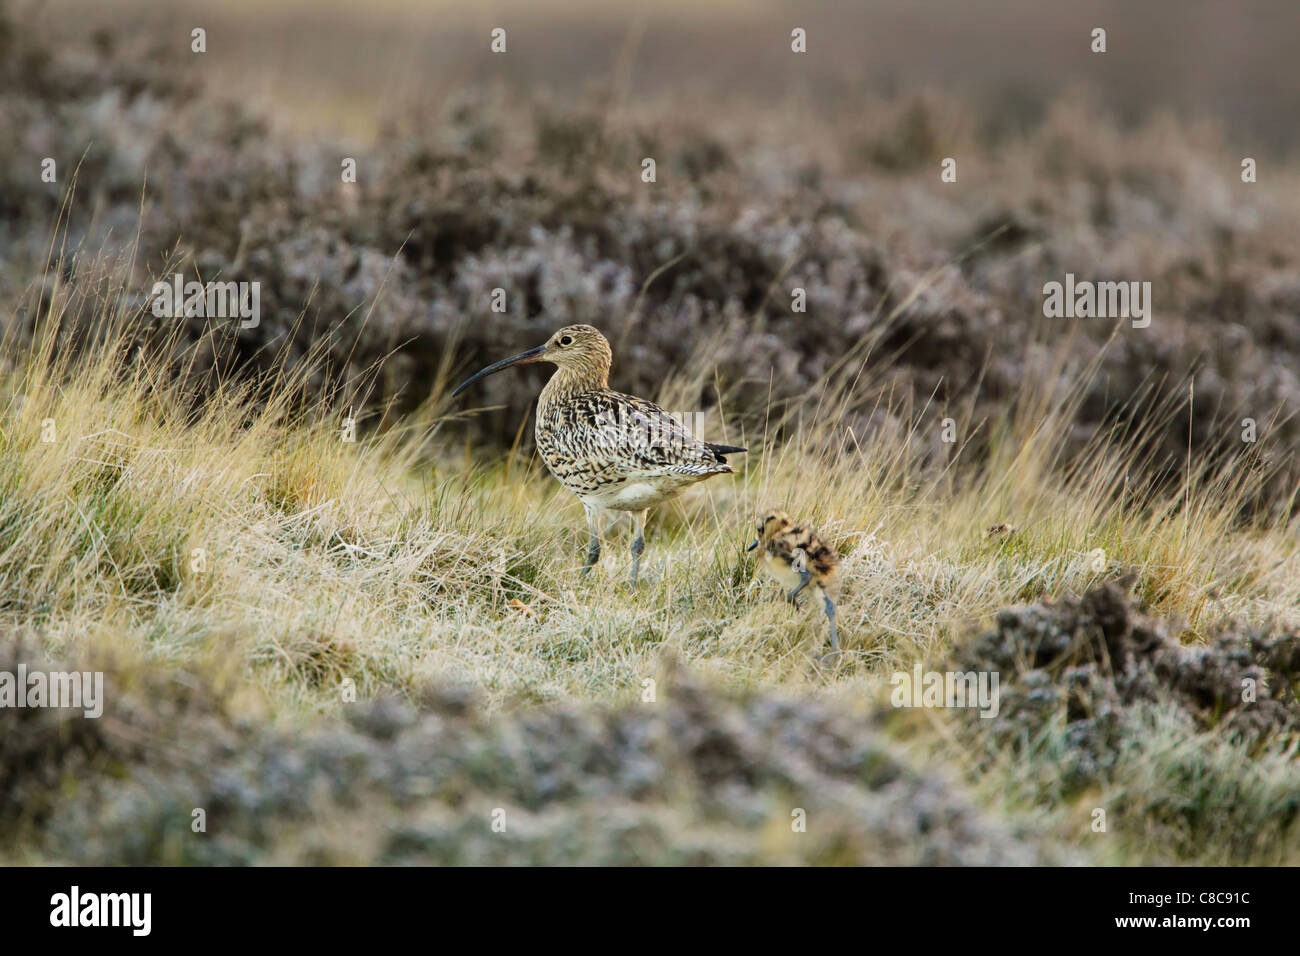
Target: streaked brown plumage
615 452
797 557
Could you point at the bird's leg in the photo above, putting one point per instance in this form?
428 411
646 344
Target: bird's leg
799 564
593 546
804 577
638 543
835 631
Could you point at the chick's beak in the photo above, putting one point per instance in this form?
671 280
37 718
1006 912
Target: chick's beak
523 358
753 546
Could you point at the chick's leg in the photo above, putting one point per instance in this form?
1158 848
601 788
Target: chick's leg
835 631
804 577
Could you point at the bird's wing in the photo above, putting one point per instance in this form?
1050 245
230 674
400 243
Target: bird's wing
645 440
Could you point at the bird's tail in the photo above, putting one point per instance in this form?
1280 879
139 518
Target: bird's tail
719 451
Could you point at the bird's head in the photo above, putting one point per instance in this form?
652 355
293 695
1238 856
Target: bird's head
770 525
582 349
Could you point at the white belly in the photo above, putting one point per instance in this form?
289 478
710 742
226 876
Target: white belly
632 497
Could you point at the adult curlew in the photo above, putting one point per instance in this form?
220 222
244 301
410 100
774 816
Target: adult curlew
614 451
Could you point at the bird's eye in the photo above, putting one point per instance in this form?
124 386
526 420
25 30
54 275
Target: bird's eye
567 340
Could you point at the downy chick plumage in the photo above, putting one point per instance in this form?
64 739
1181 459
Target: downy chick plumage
797 558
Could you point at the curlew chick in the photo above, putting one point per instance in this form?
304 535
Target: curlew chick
615 452
797 558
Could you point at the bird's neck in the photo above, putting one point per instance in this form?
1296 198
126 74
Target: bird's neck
573 380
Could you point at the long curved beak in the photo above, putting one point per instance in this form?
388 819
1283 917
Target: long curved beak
753 546
523 358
